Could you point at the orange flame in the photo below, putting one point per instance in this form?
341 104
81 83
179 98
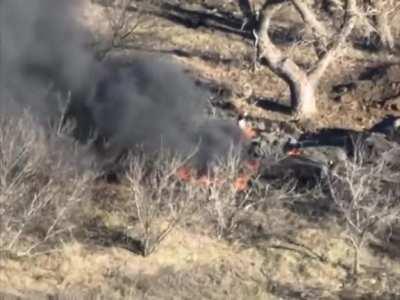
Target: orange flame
241 183
294 152
184 174
249 133
253 165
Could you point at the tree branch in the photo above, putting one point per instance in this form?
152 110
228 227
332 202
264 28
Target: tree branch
310 18
274 57
282 65
316 73
382 23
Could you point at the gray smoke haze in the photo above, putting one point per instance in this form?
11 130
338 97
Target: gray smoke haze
41 44
146 101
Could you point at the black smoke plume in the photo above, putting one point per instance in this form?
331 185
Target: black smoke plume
144 102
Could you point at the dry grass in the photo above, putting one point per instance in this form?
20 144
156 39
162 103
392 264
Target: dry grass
155 230
154 236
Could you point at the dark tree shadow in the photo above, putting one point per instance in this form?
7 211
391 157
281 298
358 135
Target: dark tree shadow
390 246
291 292
94 232
223 21
281 34
374 73
371 44
286 35
343 88
314 210
286 291
272 105
207 56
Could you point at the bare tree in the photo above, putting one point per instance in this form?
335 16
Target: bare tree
364 199
302 83
123 20
380 12
159 200
226 203
37 200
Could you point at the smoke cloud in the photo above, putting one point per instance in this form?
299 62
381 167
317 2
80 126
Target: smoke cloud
42 47
145 101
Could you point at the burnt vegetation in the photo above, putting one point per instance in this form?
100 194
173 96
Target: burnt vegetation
126 137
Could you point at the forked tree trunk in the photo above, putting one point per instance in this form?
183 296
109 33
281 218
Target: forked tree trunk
302 84
302 89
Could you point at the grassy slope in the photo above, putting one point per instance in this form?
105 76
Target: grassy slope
191 263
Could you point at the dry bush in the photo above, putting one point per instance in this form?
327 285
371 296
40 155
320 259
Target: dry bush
224 201
379 22
38 190
159 200
123 20
365 199
233 194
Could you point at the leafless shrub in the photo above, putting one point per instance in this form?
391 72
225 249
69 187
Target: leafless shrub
364 200
18 141
223 201
159 199
378 16
123 20
36 195
230 194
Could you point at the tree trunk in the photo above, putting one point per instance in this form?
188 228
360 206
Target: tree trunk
302 84
310 18
303 99
302 88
